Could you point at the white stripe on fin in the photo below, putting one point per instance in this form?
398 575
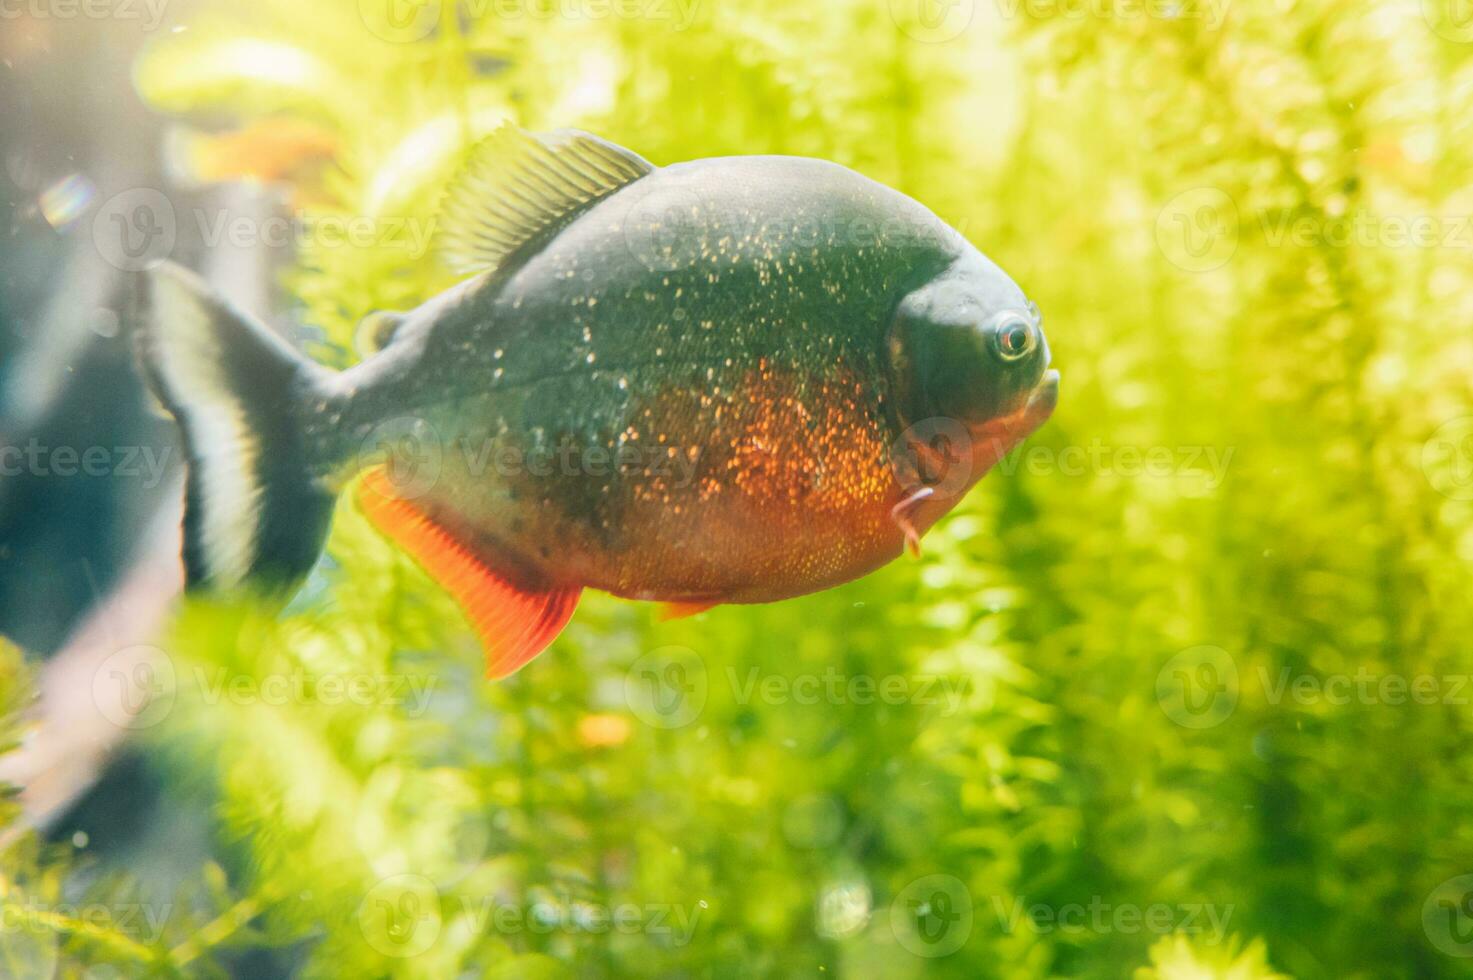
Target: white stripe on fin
518 185
189 358
256 508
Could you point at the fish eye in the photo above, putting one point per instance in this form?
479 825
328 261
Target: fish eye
1013 337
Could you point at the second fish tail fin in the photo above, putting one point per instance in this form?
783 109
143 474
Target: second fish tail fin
257 507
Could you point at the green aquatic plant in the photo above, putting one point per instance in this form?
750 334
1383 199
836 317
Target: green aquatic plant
1179 690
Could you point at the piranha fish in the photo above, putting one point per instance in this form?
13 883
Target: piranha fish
732 380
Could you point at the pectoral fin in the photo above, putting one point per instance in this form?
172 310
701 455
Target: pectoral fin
513 622
901 513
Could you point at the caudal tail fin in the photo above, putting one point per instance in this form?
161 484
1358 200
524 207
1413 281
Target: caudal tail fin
255 509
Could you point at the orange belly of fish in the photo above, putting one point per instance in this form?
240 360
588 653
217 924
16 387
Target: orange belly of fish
743 549
784 494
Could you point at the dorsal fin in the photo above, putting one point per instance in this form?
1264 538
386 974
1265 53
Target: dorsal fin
375 331
518 185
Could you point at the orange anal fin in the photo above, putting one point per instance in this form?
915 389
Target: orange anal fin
514 624
682 610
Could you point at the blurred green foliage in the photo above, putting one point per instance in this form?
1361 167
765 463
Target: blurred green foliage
1114 727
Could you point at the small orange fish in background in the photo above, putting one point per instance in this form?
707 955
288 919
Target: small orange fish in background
276 150
732 380
603 731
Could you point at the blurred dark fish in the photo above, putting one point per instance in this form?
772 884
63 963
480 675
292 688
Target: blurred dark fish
686 384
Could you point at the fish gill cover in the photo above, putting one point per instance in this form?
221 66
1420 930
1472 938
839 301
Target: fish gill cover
1092 732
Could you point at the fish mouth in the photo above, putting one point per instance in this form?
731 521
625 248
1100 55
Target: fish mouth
1002 434
1043 400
